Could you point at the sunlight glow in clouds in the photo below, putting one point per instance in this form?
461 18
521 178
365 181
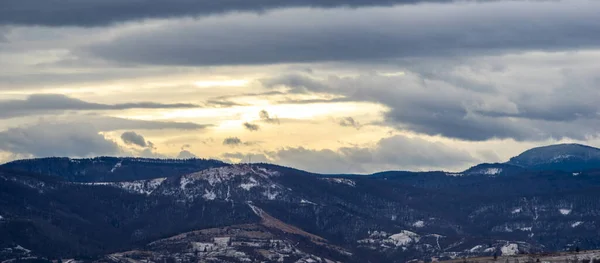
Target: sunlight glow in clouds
221 83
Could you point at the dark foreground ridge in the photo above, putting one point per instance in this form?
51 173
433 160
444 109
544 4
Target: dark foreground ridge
111 209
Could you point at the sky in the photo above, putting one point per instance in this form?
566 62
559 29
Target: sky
340 86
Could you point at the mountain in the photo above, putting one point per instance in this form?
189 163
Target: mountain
565 157
494 169
102 169
50 209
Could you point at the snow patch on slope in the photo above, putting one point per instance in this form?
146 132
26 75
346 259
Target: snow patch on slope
564 211
378 239
116 166
419 224
304 201
139 187
209 195
404 238
249 185
492 171
222 174
348 182
476 249
510 249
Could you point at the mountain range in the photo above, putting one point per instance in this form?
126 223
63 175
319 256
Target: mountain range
111 209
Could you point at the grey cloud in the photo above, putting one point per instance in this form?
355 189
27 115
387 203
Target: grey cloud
264 116
245 157
98 12
390 33
437 107
298 83
113 124
223 103
232 141
80 137
149 153
349 122
397 152
132 138
185 154
3 32
57 139
57 103
251 127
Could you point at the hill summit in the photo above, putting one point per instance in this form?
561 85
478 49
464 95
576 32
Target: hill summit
565 157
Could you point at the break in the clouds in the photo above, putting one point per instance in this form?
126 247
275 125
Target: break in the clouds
98 12
57 103
419 31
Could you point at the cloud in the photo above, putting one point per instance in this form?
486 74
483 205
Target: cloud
238 157
104 123
397 152
392 153
559 107
349 122
223 103
232 141
98 12
264 116
398 32
251 127
46 139
57 103
3 32
185 154
132 138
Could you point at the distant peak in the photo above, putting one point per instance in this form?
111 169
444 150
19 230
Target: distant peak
566 156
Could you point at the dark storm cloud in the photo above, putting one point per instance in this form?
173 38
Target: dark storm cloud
391 33
133 138
56 103
103 12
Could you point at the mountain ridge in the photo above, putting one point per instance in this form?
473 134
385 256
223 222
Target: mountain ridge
266 212
569 157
